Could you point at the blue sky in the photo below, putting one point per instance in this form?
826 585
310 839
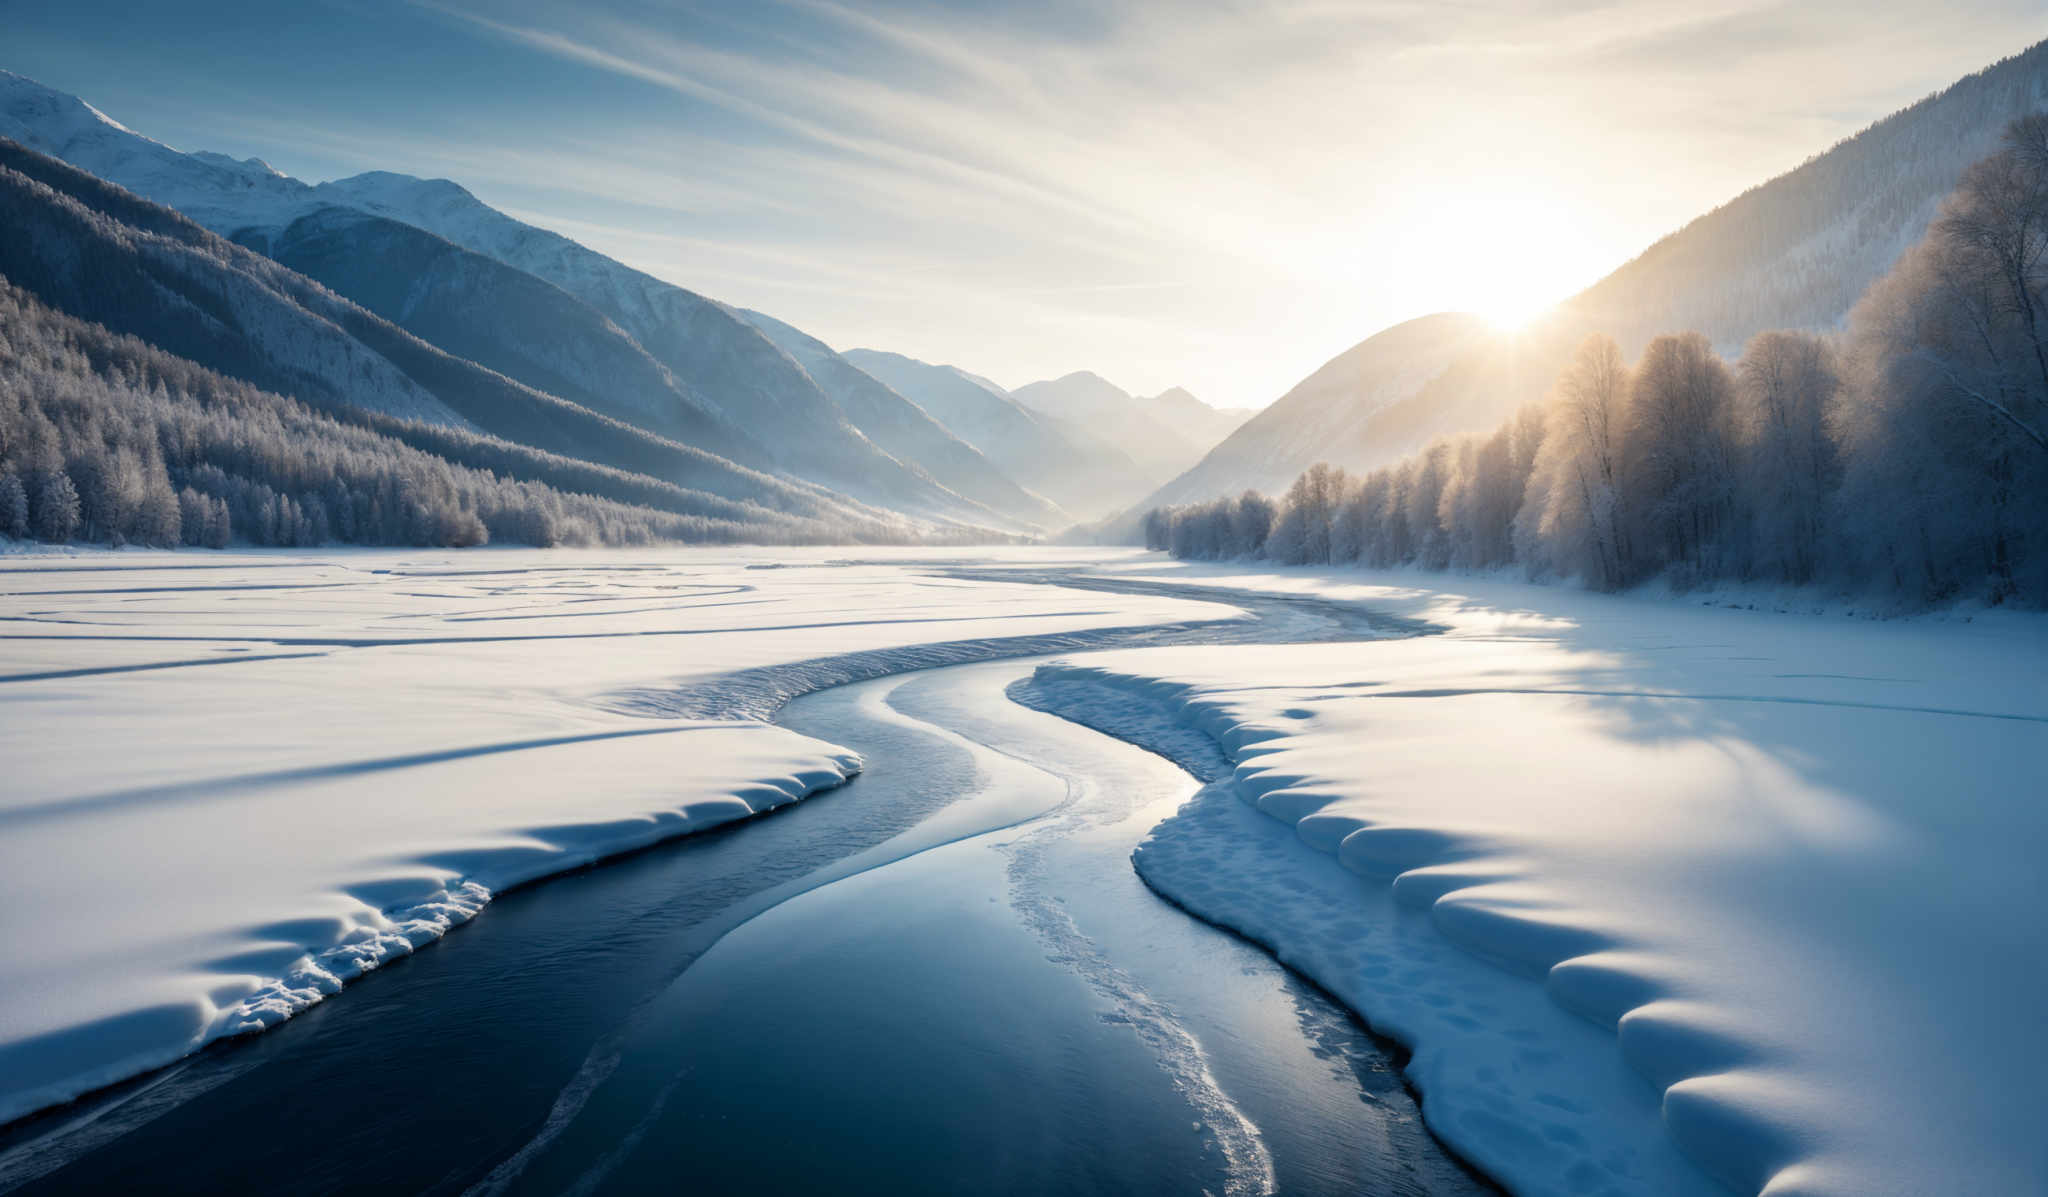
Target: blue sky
1216 195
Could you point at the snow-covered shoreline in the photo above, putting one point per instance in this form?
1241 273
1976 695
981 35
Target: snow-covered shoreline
1653 890
380 742
1631 876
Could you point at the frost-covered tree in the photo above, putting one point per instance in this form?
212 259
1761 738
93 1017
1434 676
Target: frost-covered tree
1786 383
1251 522
1678 478
1422 497
1158 528
55 512
1944 426
13 506
1571 522
1480 498
1301 534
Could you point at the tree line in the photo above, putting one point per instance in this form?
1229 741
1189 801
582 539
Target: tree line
105 438
1908 453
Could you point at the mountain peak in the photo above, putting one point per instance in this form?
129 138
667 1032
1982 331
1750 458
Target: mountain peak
1177 397
1080 389
216 190
256 164
25 102
394 190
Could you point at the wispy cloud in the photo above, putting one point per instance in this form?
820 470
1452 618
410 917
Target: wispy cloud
1212 192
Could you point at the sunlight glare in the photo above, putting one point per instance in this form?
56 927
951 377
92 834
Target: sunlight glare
1507 249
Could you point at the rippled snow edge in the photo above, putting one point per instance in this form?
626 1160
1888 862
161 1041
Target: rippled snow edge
339 949
1525 1088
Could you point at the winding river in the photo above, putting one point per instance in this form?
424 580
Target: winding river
942 977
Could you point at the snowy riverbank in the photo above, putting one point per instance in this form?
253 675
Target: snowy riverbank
1762 887
233 782
1664 896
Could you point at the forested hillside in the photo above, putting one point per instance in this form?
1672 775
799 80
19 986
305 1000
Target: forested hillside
483 311
1909 455
105 438
93 250
710 348
541 309
1798 251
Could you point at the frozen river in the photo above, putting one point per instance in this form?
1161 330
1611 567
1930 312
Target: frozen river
942 976
1665 898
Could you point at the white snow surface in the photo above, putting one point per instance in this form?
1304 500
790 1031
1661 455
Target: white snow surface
1666 898
1631 874
233 782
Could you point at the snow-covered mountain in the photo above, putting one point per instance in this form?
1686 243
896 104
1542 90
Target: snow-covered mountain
1207 423
1327 416
1799 250
906 430
617 339
1794 252
1084 475
490 313
1157 436
94 251
709 346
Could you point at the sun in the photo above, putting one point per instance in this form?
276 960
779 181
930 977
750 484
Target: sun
1511 309
1506 249
1536 257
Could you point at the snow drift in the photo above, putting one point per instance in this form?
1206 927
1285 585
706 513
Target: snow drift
1785 870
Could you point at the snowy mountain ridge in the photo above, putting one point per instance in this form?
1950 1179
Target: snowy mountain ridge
1059 459
93 252
781 418
1162 438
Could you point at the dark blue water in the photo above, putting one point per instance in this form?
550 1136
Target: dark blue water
871 991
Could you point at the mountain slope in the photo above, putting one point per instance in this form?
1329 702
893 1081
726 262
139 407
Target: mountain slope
1797 251
708 346
1162 436
109 439
94 251
1082 475
906 430
1794 252
1211 424
717 360
1327 416
482 310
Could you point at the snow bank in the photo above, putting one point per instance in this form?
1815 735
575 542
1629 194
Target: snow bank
1632 876
233 783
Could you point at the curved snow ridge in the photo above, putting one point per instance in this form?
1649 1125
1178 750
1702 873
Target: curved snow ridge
1559 1133
359 927
758 693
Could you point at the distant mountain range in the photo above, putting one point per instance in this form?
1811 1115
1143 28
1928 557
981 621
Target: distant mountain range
482 302
410 301
1795 252
1082 473
1162 435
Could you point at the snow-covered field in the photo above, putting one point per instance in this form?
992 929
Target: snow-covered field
230 783
1766 887
1665 897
